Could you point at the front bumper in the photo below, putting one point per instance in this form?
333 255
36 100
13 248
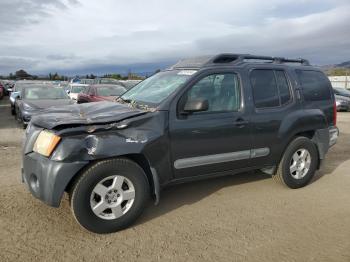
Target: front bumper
47 179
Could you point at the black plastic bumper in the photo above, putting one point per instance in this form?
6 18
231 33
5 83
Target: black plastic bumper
47 179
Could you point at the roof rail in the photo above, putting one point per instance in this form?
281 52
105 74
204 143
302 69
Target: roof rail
239 58
228 58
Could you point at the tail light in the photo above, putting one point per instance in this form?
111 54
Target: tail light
335 113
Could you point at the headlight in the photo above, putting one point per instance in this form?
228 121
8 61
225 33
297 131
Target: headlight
46 143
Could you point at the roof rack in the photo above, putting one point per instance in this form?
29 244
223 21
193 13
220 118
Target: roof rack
239 58
227 58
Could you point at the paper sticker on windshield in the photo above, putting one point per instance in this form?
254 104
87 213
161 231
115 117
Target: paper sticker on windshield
186 72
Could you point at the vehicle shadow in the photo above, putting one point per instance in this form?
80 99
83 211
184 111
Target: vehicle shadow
176 196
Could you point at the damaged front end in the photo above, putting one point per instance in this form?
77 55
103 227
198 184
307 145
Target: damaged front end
93 132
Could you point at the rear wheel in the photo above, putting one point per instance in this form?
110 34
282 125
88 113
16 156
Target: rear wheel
299 163
110 195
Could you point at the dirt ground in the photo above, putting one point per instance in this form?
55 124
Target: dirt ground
246 217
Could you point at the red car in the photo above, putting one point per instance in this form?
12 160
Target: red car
97 93
2 91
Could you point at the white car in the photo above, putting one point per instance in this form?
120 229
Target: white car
74 89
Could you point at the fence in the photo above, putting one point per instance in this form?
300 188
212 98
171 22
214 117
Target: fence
340 81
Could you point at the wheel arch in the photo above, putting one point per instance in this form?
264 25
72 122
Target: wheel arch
320 137
140 159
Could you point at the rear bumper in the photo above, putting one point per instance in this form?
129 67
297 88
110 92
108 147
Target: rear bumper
333 135
47 179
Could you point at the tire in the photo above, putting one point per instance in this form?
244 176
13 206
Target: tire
18 117
83 197
304 170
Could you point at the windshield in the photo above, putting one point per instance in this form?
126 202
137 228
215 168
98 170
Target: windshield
77 89
110 90
158 87
19 86
46 92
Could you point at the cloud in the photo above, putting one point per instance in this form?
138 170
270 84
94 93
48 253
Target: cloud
18 13
71 36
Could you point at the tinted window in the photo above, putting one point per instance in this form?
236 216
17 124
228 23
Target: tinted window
265 90
283 87
221 90
315 85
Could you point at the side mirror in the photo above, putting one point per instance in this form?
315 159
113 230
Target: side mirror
196 105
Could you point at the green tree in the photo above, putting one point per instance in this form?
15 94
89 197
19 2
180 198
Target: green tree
21 74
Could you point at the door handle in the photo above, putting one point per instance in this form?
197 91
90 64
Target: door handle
240 122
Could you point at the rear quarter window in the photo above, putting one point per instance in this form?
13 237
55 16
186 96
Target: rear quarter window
315 85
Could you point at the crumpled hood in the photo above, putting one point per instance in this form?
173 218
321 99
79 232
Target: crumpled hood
84 114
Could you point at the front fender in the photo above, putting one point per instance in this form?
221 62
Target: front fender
146 135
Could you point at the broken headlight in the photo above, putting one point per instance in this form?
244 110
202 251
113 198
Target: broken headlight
46 143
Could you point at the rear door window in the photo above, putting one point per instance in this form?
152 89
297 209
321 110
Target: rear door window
270 88
315 85
283 87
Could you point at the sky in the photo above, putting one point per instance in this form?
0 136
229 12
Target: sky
112 36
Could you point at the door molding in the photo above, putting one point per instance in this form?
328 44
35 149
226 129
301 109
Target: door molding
220 158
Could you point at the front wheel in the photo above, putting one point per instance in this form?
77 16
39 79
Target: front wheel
110 195
298 164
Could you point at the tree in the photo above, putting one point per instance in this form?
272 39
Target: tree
21 74
56 77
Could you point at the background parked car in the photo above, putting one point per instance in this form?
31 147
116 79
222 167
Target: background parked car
16 92
341 92
2 91
74 89
8 85
342 97
342 102
97 93
34 98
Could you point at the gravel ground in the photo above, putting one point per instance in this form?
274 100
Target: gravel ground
246 217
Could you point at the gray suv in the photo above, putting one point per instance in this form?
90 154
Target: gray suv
203 117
